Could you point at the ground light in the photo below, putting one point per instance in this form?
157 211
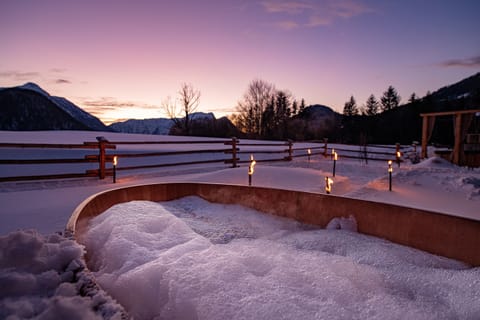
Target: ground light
390 170
328 185
115 161
251 169
335 158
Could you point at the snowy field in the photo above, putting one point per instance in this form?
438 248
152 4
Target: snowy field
46 206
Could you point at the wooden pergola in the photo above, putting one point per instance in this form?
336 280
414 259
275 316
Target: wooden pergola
461 127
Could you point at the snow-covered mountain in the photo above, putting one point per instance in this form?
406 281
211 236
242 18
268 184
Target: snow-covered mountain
160 126
29 107
145 126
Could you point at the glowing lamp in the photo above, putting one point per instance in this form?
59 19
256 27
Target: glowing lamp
115 162
398 154
309 152
251 169
390 170
335 158
328 185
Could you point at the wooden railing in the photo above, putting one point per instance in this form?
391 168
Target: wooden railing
101 146
237 153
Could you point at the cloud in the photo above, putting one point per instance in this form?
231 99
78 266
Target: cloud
58 70
311 13
287 25
290 7
348 8
110 103
107 101
19 76
62 81
473 62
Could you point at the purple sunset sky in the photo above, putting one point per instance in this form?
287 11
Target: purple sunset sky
120 59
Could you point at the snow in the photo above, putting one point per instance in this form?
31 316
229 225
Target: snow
44 277
190 259
339 271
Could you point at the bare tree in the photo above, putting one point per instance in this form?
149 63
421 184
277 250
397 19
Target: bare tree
189 99
253 105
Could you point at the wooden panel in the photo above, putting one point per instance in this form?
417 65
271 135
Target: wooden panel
449 236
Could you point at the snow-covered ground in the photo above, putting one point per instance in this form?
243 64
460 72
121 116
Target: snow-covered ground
190 259
46 205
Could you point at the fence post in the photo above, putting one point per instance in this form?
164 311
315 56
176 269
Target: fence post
397 153
290 150
101 157
325 147
234 152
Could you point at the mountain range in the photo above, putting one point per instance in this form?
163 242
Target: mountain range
29 107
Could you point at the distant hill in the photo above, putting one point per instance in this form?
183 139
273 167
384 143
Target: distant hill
160 126
404 123
466 89
315 122
29 107
203 124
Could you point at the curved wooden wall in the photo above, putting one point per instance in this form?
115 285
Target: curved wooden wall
453 237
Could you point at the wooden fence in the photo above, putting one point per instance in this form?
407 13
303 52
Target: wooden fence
234 153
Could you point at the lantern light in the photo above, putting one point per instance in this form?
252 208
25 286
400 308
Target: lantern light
328 185
335 158
115 162
251 169
390 170
309 152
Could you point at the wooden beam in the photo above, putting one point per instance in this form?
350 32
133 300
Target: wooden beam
449 113
424 137
457 147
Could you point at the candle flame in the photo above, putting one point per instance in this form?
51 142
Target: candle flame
328 184
252 165
115 161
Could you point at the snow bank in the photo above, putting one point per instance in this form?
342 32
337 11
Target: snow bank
189 259
44 277
348 224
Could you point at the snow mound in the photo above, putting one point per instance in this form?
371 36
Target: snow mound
435 162
44 277
348 224
190 259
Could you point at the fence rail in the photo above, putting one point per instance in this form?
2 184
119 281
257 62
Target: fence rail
232 155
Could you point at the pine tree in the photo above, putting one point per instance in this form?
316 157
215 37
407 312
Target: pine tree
390 99
268 120
350 108
294 108
371 108
302 106
413 98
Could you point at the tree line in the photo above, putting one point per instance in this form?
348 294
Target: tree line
388 101
265 112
